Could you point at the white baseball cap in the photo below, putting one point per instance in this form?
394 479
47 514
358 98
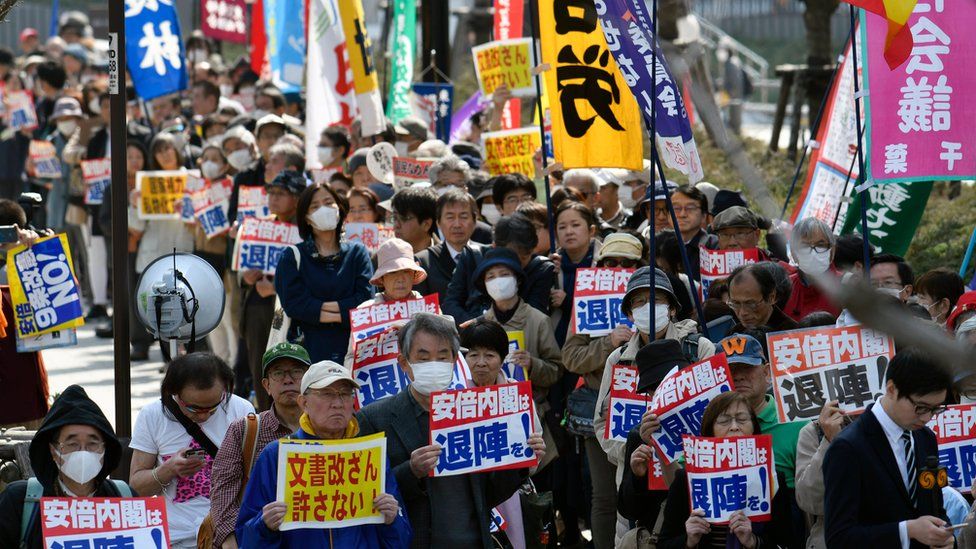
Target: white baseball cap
325 373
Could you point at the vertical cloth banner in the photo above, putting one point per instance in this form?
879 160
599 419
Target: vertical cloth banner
331 483
511 151
224 20
483 429
461 120
104 522
731 474
894 212
403 36
505 62
919 120
284 21
507 23
154 48
597 298
955 430
434 104
811 367
360 49
595 119
43 289
328 77
260 243
629 31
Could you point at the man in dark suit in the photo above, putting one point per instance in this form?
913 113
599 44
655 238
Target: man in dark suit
450 511
872 496
456 215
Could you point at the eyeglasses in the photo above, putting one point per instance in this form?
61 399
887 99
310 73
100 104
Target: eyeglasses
193 409
332 396
924 409
888 285
294 373
689 209
96 446
820 248
613 262
724 420
517 198
397 218
746 305
739 236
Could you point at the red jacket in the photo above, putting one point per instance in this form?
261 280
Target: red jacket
807 298
23 379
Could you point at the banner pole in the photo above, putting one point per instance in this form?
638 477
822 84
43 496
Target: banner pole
652 187
533 6
969 255
843 196
861 176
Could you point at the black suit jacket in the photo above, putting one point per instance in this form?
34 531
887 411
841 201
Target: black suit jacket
864 495
439 264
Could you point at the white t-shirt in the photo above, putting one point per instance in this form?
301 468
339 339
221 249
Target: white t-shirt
187 499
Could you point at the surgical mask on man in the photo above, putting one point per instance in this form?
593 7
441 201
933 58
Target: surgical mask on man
490 213
81 466
197 55
502 288
894 292
626 197
642 317
810 260
240 159
662 315
401 148
429 377
325 155
67 127
326 218
211 170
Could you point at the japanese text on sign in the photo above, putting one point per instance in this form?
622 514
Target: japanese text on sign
719 264
43 289
260 243
434 104
159 193
331 483
224 20
955 430
504 62
407 171
45 159
366 321
680 402
252 202
516 341
20 110
93 523
814 366
483 429
210 206
370 235
511 151
97 174
731 474
624 406
376 368
599 293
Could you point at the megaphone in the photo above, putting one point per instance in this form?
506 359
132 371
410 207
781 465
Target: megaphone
179 298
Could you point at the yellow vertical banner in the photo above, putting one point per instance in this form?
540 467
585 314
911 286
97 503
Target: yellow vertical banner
360 49
596 122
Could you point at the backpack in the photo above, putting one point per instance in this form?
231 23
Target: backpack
33 497
689 347
252 424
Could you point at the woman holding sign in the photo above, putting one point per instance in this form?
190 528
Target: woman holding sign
727 415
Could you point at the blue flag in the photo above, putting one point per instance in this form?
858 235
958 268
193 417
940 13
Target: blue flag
435 103
284 22
154 48
628 28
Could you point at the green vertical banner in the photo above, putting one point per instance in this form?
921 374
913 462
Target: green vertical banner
401 74
894 210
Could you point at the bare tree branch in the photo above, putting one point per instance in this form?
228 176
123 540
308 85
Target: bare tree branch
6 6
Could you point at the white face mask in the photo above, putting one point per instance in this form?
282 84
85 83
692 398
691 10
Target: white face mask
441 191
260 113
661 315
211 170
429 377
81 466
626 197
326 218
490 213
226 90
94 107
325 155
67 127
502 288
642 318
240 159
197 55
401 148
810 260
895 292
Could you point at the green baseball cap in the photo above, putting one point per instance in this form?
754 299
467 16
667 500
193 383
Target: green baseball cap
284 350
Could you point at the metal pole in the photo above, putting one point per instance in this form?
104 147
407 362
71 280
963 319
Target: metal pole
120 229
652 188
969 255
861 176
533 6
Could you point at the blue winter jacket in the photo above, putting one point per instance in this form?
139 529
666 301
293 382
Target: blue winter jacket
252 533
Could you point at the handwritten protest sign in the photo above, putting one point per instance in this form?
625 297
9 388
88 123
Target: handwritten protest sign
505 62
50 340
97 174
511 151
252 202
597 298
45 159
407 171
719 264
516 341
624 406
104 522
159 193
43 289
482 429
955 430
376 368
260 243
731 474
20 111
210 204
813 366
331 483
680 401
366 321
370 235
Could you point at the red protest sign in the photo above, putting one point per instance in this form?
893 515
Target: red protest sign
730 474
376 368
955 430
97 174
104 522
624 406
598 295
260 243
366 321
224 20
719 264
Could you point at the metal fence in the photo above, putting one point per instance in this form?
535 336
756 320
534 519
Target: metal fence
764 20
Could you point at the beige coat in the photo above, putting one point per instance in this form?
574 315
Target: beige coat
810 451
547 362
587 356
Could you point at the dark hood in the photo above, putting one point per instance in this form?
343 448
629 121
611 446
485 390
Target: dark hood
73 407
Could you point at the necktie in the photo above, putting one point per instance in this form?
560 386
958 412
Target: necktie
906 438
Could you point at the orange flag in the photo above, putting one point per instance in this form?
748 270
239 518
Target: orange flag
899 43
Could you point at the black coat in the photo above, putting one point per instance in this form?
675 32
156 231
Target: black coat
634 501
864 495
464 301
439 264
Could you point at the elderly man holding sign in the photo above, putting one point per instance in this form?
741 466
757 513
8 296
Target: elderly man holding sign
324 494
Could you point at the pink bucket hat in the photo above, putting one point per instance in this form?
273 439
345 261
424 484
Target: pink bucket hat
396 255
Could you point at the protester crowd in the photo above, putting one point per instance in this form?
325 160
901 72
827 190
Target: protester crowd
486 245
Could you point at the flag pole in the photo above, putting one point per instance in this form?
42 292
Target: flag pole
652 187
533 6
861 176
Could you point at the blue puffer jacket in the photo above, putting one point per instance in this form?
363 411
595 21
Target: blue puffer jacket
252 533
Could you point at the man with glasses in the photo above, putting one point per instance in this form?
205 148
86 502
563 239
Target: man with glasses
738 229
283 367
327 400
753 297
510 190
872 494
812 246
414 217
892 275
691 209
